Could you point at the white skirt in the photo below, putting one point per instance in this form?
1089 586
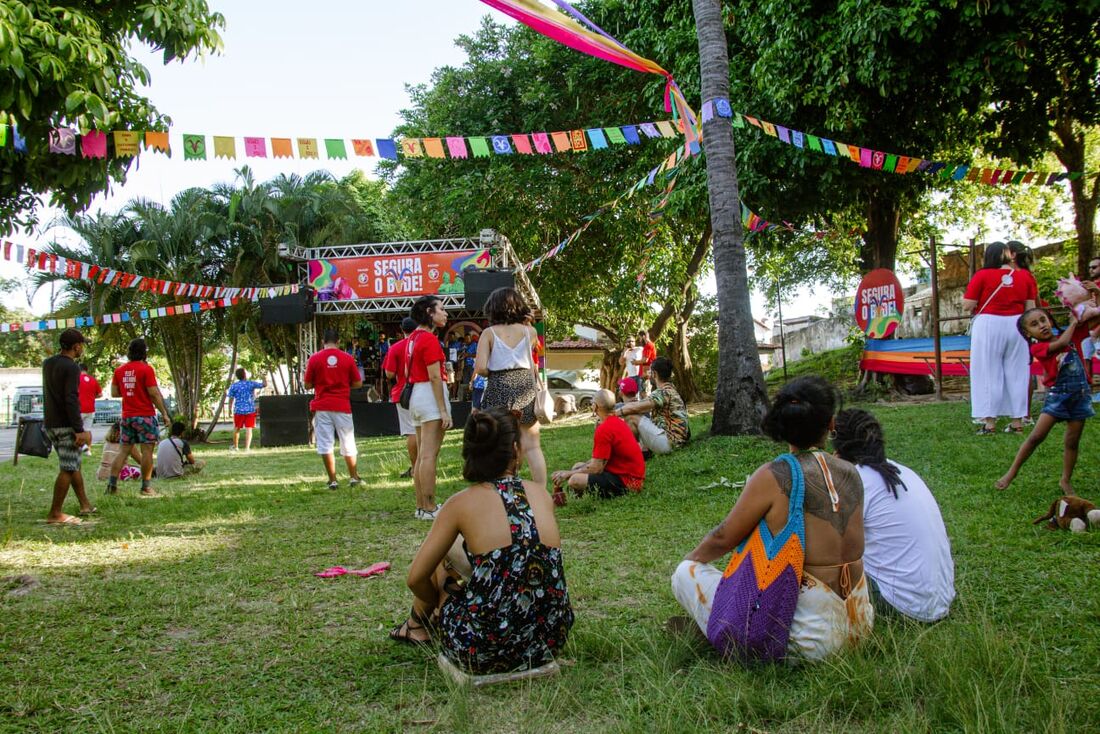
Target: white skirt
999 360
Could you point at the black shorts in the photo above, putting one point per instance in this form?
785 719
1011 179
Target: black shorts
606 485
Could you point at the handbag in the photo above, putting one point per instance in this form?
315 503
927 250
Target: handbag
754 604
544 406
31 438
407 391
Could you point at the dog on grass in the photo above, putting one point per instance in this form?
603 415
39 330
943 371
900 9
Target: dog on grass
1070 513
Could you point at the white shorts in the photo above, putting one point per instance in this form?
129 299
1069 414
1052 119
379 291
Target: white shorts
422 405
652 437
404 421
89 419
327 425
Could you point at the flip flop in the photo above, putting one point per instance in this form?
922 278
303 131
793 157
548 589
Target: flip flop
331 573
86 513
376 569
69 520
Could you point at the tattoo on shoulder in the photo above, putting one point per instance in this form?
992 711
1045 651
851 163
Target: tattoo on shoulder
817 502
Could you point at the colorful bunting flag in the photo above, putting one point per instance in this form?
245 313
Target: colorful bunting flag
577 141
363 148
63 141
597 137
479 147
434 148
523 144
457 147
194 147
335 150
94 144
127 143
501 145
387 148
225 147
307 148
255 147
282 148
561 141
158 141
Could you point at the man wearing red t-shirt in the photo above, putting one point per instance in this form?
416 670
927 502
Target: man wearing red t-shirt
332 374
136 383
616 464
89 390
395 366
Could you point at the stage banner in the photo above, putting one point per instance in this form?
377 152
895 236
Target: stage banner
879 304
389 276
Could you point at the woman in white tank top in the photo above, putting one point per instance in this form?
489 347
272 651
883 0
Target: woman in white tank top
504 357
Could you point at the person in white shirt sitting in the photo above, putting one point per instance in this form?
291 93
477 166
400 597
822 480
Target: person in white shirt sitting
174 457
906 552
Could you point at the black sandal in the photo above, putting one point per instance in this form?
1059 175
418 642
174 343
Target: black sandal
400 633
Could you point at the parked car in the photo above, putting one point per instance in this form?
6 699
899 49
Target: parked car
566 383
27 402
107 411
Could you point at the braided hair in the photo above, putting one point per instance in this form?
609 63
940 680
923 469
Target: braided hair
859 440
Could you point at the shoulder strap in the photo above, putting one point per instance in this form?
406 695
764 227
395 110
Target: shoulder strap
798 494
834 498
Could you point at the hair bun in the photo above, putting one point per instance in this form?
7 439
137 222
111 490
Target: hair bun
486 430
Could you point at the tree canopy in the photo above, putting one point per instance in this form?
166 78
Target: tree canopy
70 64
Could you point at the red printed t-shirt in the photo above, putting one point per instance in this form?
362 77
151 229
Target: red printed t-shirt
615 444
89 391
1009 300
395 362
331 373
134 380
1050 360
426 350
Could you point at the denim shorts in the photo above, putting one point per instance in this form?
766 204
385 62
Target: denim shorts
1071 405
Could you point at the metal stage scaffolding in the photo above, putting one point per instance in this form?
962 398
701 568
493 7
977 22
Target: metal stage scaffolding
501 253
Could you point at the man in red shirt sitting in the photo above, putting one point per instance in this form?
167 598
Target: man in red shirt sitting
616 464
332 374
136 383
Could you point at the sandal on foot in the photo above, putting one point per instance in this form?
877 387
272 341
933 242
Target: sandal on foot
1014 429
86 513
400 633
983 431
67 520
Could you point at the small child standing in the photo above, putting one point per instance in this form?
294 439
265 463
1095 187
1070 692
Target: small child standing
1069 397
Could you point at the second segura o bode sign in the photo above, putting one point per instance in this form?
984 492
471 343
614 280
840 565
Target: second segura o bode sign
879 303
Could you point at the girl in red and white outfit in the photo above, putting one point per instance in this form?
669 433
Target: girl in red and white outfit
997 294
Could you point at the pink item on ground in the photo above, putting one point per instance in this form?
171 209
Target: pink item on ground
376 569
330 573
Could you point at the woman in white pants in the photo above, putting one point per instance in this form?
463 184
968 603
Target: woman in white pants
997 294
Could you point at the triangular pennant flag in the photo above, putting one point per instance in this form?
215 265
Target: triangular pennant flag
63 141
434 147
158 141
94 144
194 147
387 148
561 141
307 148
335 149
363 148
127 143
457 147
281 148
255 147
479 147
225 147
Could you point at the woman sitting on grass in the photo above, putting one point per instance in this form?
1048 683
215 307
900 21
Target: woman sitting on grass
907 554
789 556
111 447
512 612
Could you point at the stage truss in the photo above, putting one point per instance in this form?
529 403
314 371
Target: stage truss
500 250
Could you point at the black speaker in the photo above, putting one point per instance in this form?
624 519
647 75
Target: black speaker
295 308
479 283
284 420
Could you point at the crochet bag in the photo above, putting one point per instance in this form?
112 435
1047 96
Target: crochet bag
755 601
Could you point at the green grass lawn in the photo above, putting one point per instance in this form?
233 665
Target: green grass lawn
198 610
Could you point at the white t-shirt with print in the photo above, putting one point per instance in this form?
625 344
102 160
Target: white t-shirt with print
905 549
633 355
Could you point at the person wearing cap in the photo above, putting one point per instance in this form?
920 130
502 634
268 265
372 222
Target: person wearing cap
65 426
395 366
628 390
332 375
136 383
661 420
616 465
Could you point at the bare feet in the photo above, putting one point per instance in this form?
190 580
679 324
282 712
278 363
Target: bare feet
64 520
1004 481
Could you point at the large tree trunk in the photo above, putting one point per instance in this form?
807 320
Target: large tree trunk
879 248
1070 150
681 355
695 264
741 400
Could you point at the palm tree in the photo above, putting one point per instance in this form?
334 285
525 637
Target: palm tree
740 400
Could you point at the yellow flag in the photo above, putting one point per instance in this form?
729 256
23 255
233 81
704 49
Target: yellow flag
410 147
225 147
126 143
666 129
307 148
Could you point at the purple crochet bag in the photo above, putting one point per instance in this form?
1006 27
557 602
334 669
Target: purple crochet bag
754 604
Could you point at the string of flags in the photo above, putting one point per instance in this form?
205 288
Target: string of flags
882 161
119 317
49 262
201 147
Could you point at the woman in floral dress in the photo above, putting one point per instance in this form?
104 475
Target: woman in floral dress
510 610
